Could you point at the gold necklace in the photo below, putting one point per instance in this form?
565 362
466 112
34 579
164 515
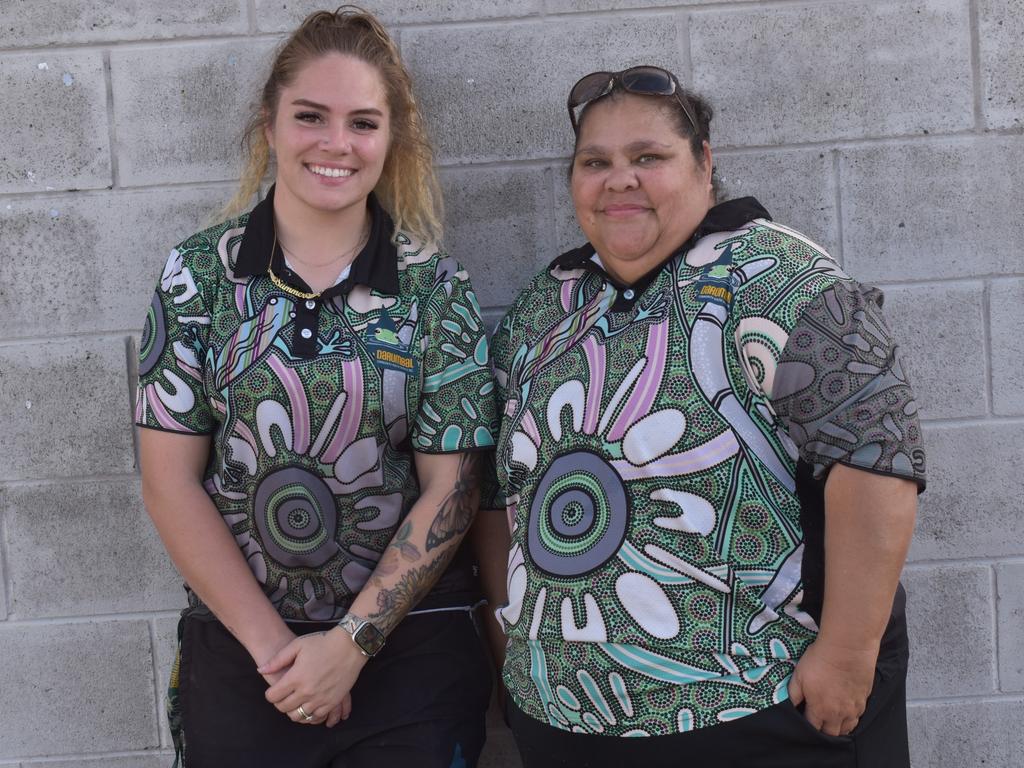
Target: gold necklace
295 291
282 284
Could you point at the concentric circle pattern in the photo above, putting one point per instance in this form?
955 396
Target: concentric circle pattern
578 517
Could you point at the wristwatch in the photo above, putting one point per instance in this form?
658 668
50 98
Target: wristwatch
368 639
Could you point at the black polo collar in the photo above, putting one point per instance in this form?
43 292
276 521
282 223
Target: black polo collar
376 265
724 217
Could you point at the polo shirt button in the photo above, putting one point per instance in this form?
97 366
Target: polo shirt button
628 294
310 304
306 333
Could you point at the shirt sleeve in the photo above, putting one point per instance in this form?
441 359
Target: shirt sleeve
172 353
493 492
841 390
456 408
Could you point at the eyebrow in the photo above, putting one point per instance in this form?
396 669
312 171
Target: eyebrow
325 108
636 146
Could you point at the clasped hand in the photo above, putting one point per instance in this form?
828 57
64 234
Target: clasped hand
833 683
315 672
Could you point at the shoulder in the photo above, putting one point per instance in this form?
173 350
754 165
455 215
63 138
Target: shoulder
424 265
208 255
777 270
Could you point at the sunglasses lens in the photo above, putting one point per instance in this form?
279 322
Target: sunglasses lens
648 80
589 88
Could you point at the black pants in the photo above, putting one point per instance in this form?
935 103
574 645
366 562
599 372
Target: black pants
420 702
776 737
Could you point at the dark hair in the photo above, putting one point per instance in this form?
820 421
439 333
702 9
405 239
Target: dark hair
699 106
408 186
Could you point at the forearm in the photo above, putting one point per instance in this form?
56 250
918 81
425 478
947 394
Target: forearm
422 548
490 539
207 556
869 519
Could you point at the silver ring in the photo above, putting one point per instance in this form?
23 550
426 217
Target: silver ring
303 714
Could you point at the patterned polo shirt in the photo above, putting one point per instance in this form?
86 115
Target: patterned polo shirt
315 406
651 442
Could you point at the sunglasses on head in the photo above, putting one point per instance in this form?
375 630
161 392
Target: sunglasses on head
643 80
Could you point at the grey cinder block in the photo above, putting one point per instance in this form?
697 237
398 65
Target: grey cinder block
1010 613
87 21
949 617
85 548
54 122
974 505
180 110
1000 29
498 92
65 409
934 209
796 186
1005 302
498 228
108 250
282 16
92 682
965 734
941 329
838 70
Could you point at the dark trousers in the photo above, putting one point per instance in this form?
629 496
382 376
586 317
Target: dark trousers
420 702
776 737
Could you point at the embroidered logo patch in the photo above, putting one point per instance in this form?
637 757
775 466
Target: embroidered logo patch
717 282
388 351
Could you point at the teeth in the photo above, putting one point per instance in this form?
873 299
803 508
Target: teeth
333 173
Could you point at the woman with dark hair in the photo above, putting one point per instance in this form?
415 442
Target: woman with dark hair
709 457
314 389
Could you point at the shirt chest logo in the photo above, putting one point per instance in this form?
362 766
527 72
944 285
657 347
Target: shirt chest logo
717 284
389 353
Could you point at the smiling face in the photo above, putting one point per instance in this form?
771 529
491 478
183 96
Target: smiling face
330 133
638 190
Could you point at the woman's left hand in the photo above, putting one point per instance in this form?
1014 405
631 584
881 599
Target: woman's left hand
319 672
833 683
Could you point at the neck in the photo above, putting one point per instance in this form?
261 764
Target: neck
319 238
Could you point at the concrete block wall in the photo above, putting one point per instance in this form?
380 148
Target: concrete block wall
890 131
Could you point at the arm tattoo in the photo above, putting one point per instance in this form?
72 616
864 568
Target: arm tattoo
455 514
453 518
394 603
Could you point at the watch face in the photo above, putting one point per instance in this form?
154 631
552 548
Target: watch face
369 638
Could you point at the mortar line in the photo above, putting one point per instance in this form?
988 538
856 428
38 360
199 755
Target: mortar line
974 27
156 679
49 482
685 43
976 561
251 8
986 346
552 226
972 421
940 281
984 698
837 179
994 583
132 365
5 565
108 79
51 621
47 194
97 46
107 335
90 758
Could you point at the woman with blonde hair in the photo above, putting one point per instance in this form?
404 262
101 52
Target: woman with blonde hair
314 390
